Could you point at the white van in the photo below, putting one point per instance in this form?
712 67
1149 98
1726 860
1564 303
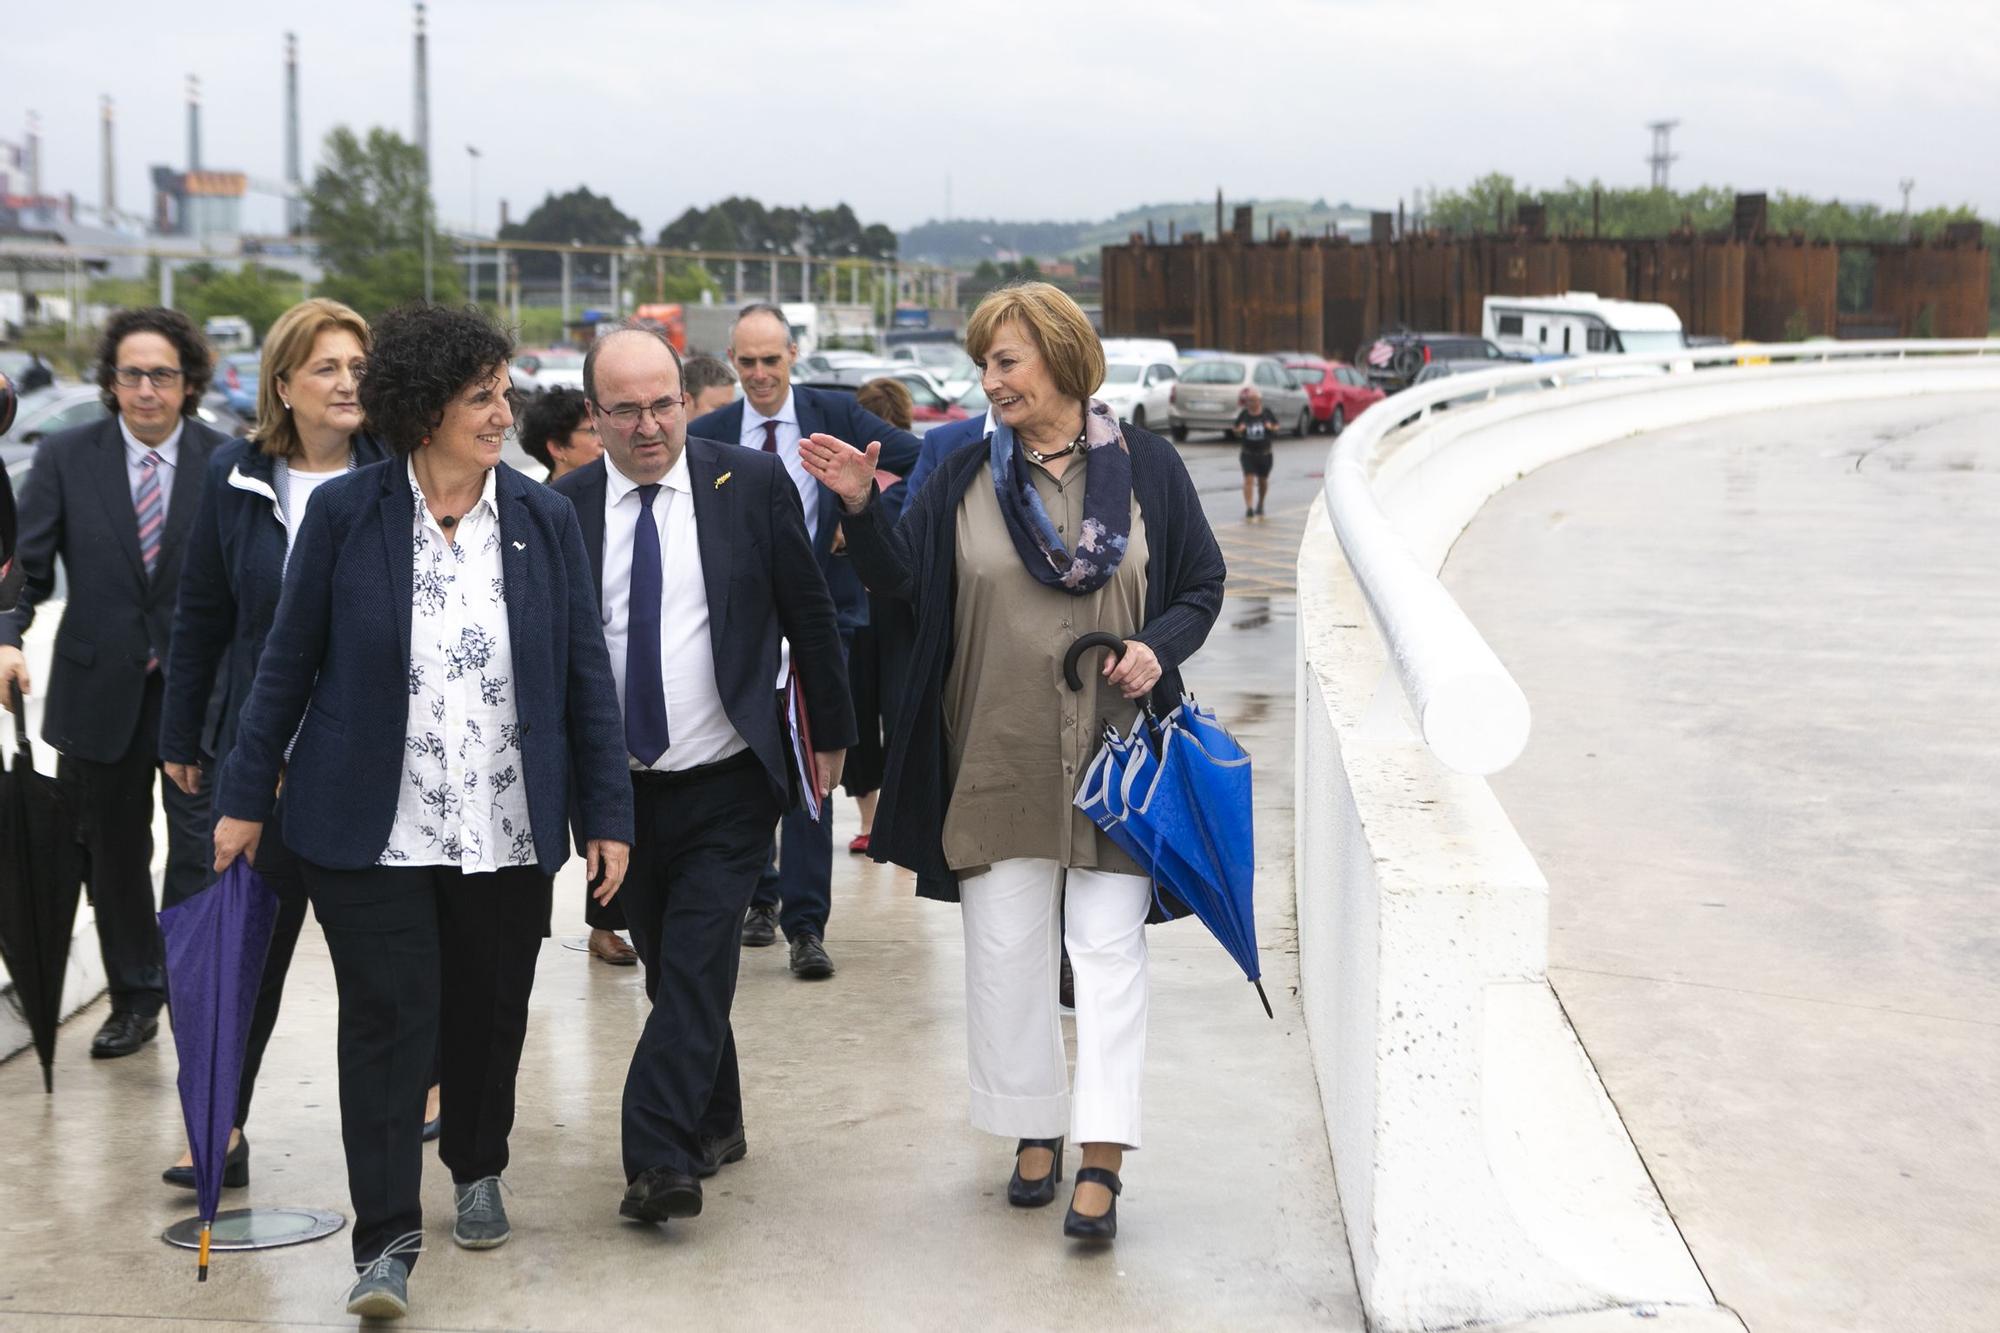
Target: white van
1579 323
229 333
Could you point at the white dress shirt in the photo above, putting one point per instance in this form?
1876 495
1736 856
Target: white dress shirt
463 801
787 418
698 728
169 451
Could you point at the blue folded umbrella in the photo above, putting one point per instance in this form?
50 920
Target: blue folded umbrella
216 942
1175 795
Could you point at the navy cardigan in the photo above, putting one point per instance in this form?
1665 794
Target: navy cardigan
336 666
917 560
231 575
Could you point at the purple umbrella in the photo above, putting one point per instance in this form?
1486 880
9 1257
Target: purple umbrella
216 942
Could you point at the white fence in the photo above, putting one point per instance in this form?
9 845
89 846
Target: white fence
1484 1175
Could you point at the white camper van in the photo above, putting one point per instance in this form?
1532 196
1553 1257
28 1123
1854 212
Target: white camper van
1579 323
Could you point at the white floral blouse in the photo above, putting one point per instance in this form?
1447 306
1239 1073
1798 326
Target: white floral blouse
463 802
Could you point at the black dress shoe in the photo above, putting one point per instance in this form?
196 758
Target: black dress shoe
760 927
433 1127
122 1034
660 1193
1040 1193
809 959
1079 1227
1066 985
235 1169
717 1153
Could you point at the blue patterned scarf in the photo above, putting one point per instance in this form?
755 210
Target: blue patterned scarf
1107 506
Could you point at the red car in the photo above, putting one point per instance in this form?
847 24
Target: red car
1338 391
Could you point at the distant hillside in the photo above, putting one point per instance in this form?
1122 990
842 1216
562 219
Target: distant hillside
966 242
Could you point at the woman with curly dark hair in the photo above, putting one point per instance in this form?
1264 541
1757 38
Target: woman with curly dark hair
437 676
558 431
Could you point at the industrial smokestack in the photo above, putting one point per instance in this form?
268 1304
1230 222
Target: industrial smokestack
423 117
107 198
194 123
295 205
34 147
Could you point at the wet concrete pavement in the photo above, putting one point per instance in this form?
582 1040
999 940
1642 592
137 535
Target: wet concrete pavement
1760 656
866 1200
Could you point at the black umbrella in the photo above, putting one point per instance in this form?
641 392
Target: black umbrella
41 874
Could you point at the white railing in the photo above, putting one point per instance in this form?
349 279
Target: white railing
1468 709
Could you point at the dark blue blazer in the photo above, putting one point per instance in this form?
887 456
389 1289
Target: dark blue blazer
337 659
77 507
231 576
939 445
833 413
762 584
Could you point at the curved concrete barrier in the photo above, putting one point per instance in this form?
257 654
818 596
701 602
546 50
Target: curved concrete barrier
1484 1175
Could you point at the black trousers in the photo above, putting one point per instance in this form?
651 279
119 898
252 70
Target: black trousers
602 916
429 962
116 805
702 839
281 871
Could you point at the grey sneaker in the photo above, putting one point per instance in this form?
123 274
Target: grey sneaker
382 1291
482 1218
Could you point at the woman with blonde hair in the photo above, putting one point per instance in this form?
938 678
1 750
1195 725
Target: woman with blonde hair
1065 523
309 430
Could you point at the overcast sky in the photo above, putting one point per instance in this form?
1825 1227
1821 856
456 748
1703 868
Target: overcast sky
1036 109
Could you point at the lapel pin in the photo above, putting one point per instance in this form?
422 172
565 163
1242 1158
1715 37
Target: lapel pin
724 477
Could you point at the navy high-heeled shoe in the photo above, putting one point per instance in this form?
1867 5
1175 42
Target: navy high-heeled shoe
1079 1227
1035 1193
235 1168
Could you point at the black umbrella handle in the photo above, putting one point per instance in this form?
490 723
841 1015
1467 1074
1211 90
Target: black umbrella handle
1084 643
24 752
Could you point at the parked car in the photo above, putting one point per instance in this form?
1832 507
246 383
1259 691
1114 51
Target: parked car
546 367
822 363
236 377
1140 392
1210 394
1140 349
1338 392
215 411
1394 359
44 412
25 370
947 361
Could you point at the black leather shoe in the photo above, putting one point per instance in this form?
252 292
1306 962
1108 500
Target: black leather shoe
1040 1193
1066 985
809 959
122 1034
720 1152
235 1169
433 1127
1079 1227
760 927
660 1193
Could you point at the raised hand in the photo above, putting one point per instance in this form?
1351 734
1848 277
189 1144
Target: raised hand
837 465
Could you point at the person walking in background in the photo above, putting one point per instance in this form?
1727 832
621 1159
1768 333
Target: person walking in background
878 654
436 692
1256 426
1067 523
710 387
253 500
772 417
557 432
114 501
702 563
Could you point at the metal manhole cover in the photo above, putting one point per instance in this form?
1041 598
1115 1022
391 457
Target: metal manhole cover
257 1228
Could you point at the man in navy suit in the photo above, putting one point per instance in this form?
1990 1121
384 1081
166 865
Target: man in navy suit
772 417
114 502
702 563
943 442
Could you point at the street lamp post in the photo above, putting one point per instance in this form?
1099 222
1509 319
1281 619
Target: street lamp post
472 228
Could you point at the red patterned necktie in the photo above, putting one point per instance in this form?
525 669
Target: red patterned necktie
770 437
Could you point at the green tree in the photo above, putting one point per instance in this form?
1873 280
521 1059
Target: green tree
366 208
256 292
580 216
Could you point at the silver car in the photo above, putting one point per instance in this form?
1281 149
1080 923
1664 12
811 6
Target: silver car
1210 394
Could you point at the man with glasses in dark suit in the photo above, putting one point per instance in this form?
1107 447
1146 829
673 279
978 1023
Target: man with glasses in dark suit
113 501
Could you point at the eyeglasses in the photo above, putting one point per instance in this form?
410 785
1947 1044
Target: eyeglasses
626 416
163 377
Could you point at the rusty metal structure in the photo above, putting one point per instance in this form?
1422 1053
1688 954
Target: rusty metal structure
1332 294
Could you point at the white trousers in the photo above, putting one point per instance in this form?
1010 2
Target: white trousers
1017 916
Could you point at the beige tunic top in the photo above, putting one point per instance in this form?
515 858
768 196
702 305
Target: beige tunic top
1018 739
